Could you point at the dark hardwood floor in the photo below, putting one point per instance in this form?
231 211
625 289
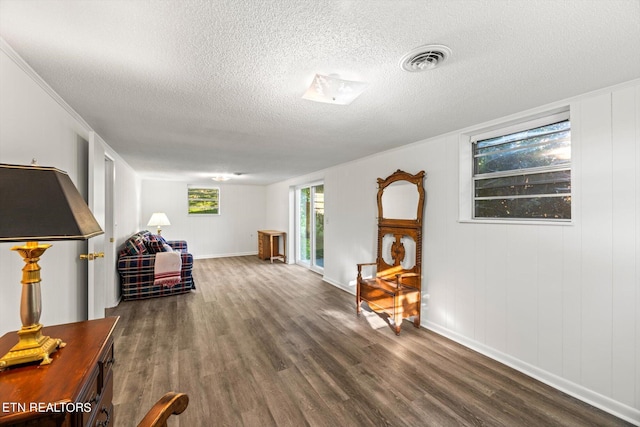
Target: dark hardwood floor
262 344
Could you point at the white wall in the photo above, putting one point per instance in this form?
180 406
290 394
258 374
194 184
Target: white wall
35 123
561 303
232 233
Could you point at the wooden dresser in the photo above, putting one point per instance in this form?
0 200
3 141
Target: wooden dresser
76 389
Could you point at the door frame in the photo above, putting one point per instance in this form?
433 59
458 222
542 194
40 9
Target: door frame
111 297
100 194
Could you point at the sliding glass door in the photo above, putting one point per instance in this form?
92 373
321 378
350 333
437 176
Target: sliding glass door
310 226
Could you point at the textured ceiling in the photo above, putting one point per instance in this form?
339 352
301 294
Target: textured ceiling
187 89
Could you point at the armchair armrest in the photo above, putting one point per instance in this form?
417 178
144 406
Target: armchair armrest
135 262
363 265
138 264
401 276
178 245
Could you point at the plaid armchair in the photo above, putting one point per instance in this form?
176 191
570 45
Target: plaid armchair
136 267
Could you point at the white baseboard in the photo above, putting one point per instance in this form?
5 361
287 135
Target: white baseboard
224 255
116 302
339 286
605 403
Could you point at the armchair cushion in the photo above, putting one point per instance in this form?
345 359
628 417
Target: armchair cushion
135 245
155 244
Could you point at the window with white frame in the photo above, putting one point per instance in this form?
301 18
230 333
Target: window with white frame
524 172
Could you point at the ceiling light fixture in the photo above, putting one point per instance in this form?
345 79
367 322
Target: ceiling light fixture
425 58
221 178
333 90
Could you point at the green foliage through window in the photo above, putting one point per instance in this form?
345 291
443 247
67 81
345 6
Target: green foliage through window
525 175
311 224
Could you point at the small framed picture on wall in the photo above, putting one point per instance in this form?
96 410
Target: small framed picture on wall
204 201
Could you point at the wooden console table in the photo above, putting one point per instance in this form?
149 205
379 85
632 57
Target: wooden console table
268 241
76 389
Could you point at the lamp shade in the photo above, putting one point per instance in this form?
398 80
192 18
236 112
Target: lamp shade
41 203
158 219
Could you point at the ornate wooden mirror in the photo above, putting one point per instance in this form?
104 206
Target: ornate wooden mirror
400 199
395 288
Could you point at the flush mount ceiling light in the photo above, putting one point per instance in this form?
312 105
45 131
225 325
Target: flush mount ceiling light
333 90
226 176
425 58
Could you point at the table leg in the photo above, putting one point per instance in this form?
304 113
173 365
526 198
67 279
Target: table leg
271 246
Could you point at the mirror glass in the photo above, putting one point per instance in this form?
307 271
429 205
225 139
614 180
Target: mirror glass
400 201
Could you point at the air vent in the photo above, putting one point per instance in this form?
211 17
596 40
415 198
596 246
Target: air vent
424 58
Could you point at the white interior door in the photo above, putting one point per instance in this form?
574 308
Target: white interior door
96 245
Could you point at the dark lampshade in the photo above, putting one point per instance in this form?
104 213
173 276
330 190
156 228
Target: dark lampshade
41 203
38 203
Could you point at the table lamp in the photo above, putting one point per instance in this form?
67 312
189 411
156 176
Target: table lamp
38 204
158 219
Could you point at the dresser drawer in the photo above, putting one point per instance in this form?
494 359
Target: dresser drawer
90 396
261 246
104 415
105 363
100 391
101 405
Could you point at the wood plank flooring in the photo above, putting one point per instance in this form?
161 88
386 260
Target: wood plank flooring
260 344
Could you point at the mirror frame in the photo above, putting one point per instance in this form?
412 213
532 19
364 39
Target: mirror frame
400 175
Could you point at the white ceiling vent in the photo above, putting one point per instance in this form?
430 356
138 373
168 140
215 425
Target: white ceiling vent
425 58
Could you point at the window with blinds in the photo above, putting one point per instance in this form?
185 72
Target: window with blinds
524 172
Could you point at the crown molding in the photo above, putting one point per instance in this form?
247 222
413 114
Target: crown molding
17 59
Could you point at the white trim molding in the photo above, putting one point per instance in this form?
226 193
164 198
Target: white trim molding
15 57
600 401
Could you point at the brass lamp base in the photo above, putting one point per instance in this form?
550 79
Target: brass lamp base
31 347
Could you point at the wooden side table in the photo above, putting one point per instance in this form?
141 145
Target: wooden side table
76 389
268 242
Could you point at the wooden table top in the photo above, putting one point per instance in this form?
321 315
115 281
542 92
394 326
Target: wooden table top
60 381
271 232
